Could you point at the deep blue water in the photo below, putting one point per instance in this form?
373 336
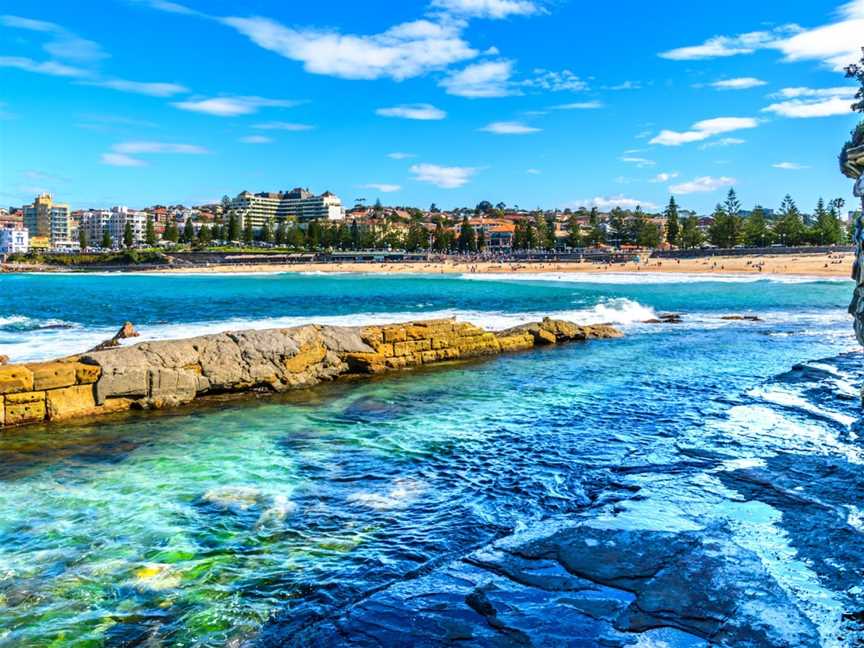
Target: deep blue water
302 519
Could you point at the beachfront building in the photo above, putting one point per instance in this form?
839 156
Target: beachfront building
298 205
14 240
95 223
50 221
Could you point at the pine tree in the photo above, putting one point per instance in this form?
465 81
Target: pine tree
107 243
756 232
789 229
128 235
248 232
267 234
150 232
188 231
467 238
82 239
279 236
672 226
355 235
234 226
574 236
596 233
691 236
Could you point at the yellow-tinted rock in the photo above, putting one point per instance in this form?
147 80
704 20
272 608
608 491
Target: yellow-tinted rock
70 402
86 374
53 375
25 411
394 334
25 397
307 356
15 378
2 411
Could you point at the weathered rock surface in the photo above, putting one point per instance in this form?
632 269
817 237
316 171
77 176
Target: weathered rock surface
175 372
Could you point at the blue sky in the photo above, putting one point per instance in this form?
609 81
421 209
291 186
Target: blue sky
550 103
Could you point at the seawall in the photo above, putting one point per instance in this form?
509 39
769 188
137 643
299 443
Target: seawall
171 373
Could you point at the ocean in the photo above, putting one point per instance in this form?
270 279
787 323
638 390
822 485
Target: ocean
322 517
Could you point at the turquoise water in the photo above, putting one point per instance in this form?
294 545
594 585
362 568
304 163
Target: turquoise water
256 522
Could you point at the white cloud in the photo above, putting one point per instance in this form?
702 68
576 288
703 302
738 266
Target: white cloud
626 85
703 130
813 102
489 79
488 8
121 154
724 141
63 44
154 89
664 177
836 44
232 106
605 203
789 166
421 111
284 126
509 128
442 176
256 139
740 83
121 160
533 171
382 187
400 156
552 81
638 161
45 67
135 147
579 105
404 51
702 185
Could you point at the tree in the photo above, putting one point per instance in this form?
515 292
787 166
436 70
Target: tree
82 239
789 229
574 235
128 235
267 234
234 226
756 232
226 204
467 238
856 71
248 232
827 230
171 233
616 225
417 238
107 243
150 232
672 226
279 235
732 206
691 236
726 230
596 234
188 231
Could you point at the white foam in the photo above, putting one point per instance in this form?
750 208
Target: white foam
630 278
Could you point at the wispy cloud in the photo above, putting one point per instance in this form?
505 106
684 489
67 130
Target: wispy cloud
813 102
554 81
533 171
664 177
233 106
509 128
52 68
382 187
638 161
480 80
445 177
61 43
605 203
421 111
153 89
704 184
256 139
789 166
739 83
284 126
123 154
488 8
579 105
724 141
398 155
835 44
703 130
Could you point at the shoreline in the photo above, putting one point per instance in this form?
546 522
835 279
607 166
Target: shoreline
831 265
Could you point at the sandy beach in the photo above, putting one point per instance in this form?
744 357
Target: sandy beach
820 265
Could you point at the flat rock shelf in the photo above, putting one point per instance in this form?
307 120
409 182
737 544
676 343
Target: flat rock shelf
171 373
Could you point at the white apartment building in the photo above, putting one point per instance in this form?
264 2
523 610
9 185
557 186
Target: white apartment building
298 204
94 223
14 240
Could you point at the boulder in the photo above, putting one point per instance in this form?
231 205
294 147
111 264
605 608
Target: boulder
70 402
15 378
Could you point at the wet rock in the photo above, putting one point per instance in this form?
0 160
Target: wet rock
741 318
665 318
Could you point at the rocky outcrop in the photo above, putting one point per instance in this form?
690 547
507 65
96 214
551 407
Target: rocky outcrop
856 308
155 375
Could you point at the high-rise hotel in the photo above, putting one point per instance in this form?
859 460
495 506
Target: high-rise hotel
298 205
48 223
